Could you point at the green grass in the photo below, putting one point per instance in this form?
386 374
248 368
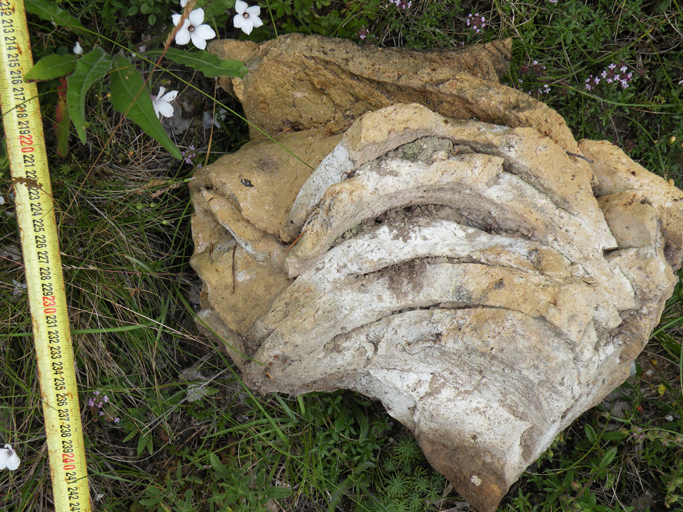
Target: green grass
179 431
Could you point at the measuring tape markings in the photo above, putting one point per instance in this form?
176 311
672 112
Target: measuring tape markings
35 215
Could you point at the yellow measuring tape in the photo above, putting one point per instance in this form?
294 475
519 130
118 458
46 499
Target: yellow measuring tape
35 214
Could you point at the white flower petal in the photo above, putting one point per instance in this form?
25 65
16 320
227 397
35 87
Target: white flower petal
183 3
254 10
9 458
168 97
198 41
256 22
13 462
176 19
240 21
164 109
161 91
205 32
241 6
183 36
247 27
78 49
208 121
196 17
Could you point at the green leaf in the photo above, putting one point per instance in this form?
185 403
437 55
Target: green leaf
590 434
209 64
278 492
150 502
145 442
154 491
614 436
608 457
339 492
260 479
362 422
89 69
52 66
50 11
216 7
218 466
130 97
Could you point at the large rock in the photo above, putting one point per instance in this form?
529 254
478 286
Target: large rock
300 82
487 283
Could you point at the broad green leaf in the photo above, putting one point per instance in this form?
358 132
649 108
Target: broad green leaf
130 97
209 64
50 11
89 69
52 66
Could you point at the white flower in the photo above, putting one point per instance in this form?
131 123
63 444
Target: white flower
208 120
162 102
183 3
193 29
19 288
247 18
78 50
8 458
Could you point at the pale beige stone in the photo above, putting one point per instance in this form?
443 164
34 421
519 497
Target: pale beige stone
487 279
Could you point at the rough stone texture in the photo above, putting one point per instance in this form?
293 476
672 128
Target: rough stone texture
300 82
487 282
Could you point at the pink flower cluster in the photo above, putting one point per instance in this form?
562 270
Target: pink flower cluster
612 74
476 21
97 402
537 72
402 4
